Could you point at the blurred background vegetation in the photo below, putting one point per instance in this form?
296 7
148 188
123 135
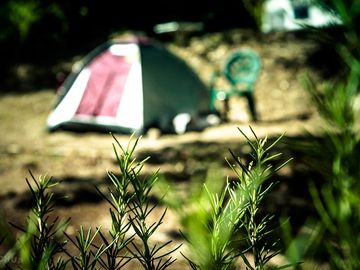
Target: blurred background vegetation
30 28
42 33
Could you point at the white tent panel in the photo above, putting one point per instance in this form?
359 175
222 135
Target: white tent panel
131 108
66 110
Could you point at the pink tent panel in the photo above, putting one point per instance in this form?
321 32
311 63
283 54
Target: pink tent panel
105 86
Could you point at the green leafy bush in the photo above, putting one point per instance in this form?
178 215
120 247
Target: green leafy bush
225 223
335 156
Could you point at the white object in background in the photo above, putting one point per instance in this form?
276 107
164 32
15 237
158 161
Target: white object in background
180 122
280 15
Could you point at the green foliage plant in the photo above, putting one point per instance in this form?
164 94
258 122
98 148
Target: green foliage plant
252 180
256 10
337 199
42 245
41 241
87 257
23 14
345 41
20 17
135 204
222 223
335 156
129 237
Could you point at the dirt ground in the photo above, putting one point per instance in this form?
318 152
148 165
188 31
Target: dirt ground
82 160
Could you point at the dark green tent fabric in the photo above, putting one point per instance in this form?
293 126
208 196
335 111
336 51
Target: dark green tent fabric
170 85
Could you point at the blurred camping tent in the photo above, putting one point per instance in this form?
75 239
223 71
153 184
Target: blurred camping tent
129 84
